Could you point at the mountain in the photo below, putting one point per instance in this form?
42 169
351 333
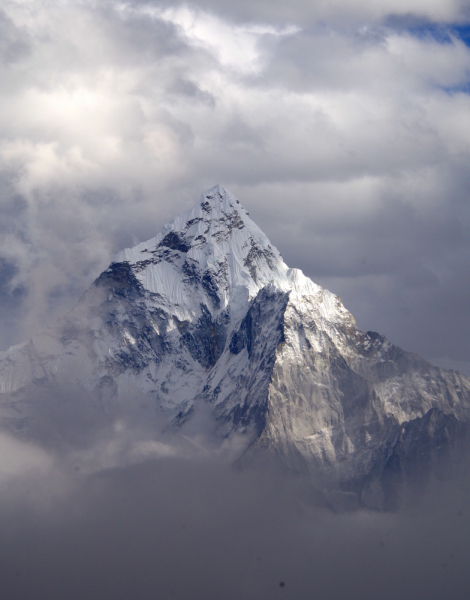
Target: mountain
208 314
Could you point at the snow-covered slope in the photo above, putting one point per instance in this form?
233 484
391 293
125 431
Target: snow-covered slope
207 312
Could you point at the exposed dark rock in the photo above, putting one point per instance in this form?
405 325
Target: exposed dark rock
210 286
175 242
205 339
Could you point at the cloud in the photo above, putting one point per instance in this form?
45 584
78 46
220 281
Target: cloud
189 528
351 12
21 459
341 127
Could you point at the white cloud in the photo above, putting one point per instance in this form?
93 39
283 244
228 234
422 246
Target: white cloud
115 116
235 46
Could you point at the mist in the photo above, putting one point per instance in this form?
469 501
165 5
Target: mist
195 527
125 506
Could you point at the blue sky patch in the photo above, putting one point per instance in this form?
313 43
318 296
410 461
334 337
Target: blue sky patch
421 28
463 32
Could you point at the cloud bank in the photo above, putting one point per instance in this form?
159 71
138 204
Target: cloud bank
185 526
342 127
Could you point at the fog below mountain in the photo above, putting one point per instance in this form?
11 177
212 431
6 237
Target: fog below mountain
126 513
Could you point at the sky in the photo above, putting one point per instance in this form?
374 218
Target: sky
343 127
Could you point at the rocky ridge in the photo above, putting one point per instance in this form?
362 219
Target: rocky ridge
207 312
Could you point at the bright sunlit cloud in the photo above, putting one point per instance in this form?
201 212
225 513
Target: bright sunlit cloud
234 46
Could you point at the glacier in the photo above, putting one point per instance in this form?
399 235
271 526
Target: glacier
207 313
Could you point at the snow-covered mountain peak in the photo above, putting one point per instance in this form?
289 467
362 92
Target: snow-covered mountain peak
215 256
207 313
218 201
217 212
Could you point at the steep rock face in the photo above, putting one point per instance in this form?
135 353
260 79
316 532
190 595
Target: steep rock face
208 312
340 400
